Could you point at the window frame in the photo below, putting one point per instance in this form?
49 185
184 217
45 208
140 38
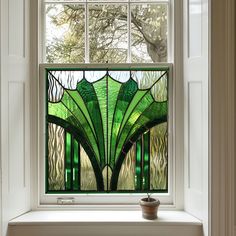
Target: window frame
175 199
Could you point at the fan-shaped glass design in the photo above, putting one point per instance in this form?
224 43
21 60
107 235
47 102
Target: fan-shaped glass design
107 130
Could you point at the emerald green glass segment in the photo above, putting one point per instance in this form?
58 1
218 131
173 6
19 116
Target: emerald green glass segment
107 130
68 161
76 166
138 169
146 157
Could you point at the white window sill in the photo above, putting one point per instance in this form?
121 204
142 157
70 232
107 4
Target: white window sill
98 223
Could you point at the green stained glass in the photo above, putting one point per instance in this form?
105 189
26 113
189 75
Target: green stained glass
126 94
112 102
143 104
68 177
100 88
146 140
107 118
138 169
87 92
76 166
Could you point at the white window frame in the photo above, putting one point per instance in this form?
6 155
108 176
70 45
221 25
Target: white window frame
171 200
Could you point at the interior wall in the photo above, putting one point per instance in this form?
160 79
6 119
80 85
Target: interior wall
234 197
222 117
0 122
15 113
196 79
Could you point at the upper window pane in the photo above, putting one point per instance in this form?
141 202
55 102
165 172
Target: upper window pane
108 39
65 33
149 33
106 32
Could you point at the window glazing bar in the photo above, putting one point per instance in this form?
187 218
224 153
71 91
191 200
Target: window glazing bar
107 2
86 59
129 32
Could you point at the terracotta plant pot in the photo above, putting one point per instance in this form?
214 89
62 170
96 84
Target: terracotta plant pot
149 208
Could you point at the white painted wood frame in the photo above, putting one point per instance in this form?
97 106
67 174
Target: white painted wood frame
15 110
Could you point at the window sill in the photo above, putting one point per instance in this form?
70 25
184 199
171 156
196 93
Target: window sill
98 223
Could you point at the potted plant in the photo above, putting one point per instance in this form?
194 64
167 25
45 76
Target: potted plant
149 207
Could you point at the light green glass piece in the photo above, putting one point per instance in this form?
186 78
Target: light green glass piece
101 92
114 88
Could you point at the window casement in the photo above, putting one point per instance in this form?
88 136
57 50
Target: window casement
111 43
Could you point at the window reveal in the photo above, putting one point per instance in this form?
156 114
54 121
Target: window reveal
107 130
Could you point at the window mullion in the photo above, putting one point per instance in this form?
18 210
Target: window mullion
86 33
129 32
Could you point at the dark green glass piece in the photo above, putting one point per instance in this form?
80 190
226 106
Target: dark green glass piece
68 173
87 92
113 92
137 111
146 160
100 88
126 94
138 168
76 165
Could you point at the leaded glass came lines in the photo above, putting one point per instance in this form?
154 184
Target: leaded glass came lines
107 130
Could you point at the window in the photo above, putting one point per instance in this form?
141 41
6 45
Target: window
80 136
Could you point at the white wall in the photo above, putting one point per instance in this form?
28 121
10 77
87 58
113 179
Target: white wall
15 104
196 81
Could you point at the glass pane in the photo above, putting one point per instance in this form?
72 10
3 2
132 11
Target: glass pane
126 179
87 176
149 32
65 39
158 157
108 33
56 155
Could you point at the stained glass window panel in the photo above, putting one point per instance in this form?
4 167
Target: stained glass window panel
107 130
